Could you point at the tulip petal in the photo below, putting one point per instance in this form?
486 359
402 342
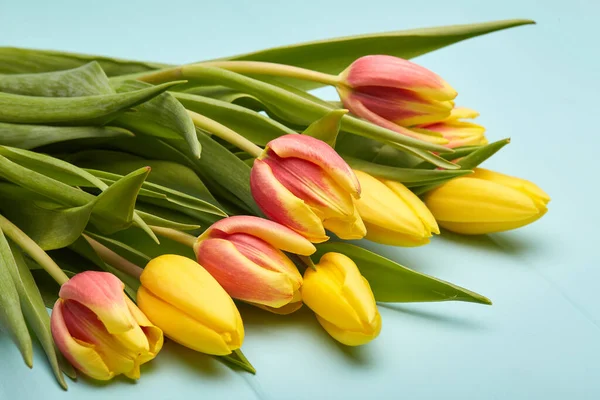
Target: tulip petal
81 355
349 228
153 333
242 278
380 234
320 153
540 197
187 286
187 330
351 338
271 232
414 202
102 293
280 205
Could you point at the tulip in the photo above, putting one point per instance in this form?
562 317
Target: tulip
392 213
395 93
486 202
457 132
100 330
302 183
342 300
245 255
187 303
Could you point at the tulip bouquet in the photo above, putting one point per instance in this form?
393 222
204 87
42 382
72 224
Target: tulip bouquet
142 200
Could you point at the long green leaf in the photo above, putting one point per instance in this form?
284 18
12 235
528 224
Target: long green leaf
391 282
334 55
162 116
35 311
11 315
95 110
32 136
327 128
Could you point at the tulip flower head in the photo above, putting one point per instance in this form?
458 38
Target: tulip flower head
302 183
245 255
342 300
455 130
187 303
392 213
486 202
395 93
100 330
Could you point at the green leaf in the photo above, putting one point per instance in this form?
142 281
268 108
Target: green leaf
248 123
165 218
87 80
135 256
334 55
239 360
35 311
162 116
408 176
95 110
327 128
31 136
50 225
391 282
15 61
114 208
11 315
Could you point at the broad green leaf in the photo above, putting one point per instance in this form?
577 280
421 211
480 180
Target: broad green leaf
408 176
50 225
162 116
248 123
32 136
16 61
327 128
334 55
94 110
35 311
391 282
11 315
87 80
114 207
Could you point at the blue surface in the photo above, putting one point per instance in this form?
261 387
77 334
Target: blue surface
537 84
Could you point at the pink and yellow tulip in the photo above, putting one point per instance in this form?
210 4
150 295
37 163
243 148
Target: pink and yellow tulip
302 183
455 130
245 255
190 306
342 300
486 202
395 93
99 330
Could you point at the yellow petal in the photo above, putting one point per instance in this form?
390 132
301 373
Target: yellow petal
540 197
414 202
350 338
382 235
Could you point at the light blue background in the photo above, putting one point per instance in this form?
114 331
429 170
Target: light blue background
536 84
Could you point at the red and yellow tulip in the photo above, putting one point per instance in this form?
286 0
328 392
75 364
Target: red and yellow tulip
245 255
302 183
99 330
395 93
455 130
187 303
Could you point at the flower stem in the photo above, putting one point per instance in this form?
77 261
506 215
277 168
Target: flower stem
225 133
175 235
36 252
113 259
274 69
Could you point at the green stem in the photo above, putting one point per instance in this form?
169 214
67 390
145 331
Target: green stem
36 252
274 69
229 135
175 235
113 259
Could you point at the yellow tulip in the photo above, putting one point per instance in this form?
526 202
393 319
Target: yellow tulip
186 302
392 213
342 300
486 202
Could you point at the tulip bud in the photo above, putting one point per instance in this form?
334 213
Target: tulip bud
302 183
392 213
187 303
395 93
342 300
100 330
457 132
486 202
245 255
